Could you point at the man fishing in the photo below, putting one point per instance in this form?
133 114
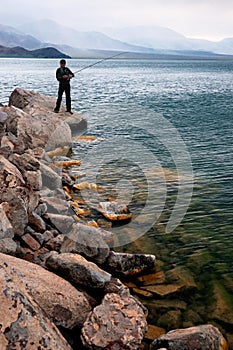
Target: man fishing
63 75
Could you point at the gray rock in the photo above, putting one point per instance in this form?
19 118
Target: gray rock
23 324
129 264
56 205
89 241
118 323
25 161
3 117
8 246
6 229
63 223
61 302
204 337
50 178
78 270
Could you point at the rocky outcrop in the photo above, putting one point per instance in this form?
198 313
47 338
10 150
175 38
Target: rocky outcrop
61 302
204 337
23 323
41 108
118 323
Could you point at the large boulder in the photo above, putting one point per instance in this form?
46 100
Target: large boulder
23 323
118 323
204 337
62 303
42 130
37 104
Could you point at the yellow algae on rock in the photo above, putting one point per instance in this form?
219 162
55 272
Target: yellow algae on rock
85 186
68 163
114 211
84 138
60 151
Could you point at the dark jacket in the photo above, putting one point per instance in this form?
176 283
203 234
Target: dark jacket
61 72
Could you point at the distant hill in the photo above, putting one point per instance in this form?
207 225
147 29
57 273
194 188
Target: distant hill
11 37
20 52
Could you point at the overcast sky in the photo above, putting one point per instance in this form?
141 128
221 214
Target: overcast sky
209 19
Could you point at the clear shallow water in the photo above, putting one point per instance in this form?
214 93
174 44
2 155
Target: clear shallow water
196 98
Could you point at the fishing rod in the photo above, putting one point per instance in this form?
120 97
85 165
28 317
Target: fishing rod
104 59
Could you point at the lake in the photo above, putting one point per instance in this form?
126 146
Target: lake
151 119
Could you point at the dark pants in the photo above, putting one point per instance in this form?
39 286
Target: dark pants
62 88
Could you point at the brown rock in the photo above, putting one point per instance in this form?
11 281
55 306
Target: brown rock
142 293
118 323
164 289
151 279
23 324
203 337
36 222
61 302
154 332
30 242
17 210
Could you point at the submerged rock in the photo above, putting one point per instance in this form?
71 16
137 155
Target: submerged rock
129 264
118 323
205 337
114 211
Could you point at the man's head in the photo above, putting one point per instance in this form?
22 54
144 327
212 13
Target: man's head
62 63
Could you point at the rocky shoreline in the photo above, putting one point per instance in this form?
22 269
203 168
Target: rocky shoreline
60 286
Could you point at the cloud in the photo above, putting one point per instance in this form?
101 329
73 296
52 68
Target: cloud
202 18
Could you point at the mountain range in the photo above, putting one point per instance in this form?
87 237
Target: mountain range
146 41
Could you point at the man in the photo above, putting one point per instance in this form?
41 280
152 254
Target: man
63 75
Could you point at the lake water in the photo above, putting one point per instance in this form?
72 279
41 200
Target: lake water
152 115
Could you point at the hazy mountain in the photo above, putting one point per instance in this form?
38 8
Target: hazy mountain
52 32
144 40
161 38
11 37
155 37
18 51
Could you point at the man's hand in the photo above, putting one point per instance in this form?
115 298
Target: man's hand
65 76
70 76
